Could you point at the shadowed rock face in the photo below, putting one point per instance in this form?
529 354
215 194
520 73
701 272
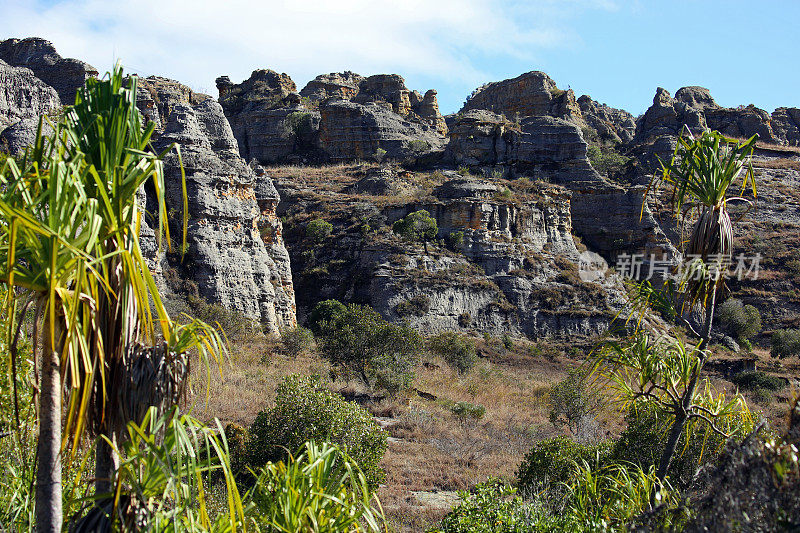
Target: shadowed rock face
236 253
66 76
23 99
609 123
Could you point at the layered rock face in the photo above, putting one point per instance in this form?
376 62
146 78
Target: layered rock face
535 94
511 267
236 254
65 75
605 215
348 130
335 117
694 108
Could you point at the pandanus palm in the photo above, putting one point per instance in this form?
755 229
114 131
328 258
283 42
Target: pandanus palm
700 175
69 239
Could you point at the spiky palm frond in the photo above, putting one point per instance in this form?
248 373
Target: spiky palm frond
700 174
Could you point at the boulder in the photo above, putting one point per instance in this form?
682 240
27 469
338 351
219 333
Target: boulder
610 124
65 75
343 85
529 94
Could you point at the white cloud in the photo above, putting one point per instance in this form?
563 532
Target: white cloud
196 40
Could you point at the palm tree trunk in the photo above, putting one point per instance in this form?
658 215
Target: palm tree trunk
48 471
682 414
106 465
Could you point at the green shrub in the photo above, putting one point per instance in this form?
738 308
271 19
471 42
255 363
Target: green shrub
298 124
380 154
415 306
606 160
418 226
297 340
305 411
644 439
465 319
359 341
553 462
458 351
758 380
236 436
466 411
324 311
741 321
508 343
785 343
318 230
572 400
455 240
494 507
419 146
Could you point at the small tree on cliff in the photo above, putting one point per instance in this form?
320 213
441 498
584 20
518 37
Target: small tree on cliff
418 226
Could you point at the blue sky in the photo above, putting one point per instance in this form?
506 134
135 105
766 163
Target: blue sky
616 51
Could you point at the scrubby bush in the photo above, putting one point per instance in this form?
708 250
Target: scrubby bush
553 462
466 411
606 160
571 401
318 230
739 320
785 343
324 311
297 340
508 343
359 341
455 240
465 319
458 351
306 411
415 306
419 146
758 380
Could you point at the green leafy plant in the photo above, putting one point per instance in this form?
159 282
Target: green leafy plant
572 400
318 230
324 311
69 247
742 321
415 306
320 490
305 411
297 340
552 463
458 351
758 380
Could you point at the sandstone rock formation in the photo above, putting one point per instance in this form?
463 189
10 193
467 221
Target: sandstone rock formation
610 124
348 130
693 107
236 254
266 116
66 76
605 215
23 99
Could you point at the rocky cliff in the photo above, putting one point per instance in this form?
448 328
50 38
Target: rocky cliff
235 253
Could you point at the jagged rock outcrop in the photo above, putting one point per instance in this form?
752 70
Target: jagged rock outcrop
610 124
344 85
693 107
65 75
605 215
23 99
266 116
236 254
